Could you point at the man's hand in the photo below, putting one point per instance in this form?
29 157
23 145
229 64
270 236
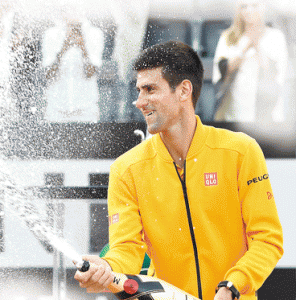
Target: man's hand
223 294
98 277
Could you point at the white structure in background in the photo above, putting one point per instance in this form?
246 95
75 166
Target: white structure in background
71 96
131 18
22 249
6 24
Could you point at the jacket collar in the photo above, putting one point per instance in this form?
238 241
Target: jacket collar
197 143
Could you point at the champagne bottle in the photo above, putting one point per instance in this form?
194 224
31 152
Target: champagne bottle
141 287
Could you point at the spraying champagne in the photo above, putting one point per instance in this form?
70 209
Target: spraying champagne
141 287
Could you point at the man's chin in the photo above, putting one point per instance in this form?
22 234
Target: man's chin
153 129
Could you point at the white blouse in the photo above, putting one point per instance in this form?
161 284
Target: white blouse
252 80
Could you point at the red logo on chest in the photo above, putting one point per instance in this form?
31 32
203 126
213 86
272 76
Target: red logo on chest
211 179
113 219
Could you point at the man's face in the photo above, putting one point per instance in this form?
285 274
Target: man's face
157 102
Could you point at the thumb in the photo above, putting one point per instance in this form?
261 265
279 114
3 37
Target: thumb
90 258
95 259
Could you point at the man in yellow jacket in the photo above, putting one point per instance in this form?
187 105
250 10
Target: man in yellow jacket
196 198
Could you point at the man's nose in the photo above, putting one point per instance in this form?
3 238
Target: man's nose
141 101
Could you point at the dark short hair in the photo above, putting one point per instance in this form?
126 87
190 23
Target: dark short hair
178 61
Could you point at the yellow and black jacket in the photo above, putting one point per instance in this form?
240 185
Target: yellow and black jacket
219 223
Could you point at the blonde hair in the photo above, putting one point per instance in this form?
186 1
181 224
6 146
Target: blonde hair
236 30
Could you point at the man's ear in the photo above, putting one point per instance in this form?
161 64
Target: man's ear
185 90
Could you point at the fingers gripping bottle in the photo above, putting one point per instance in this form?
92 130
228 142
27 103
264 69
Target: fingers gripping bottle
142 287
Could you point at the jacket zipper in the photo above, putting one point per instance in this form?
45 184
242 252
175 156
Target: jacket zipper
184 188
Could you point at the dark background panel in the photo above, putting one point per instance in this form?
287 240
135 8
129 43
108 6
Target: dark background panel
98 227
110 140
98 179
281 284
72 140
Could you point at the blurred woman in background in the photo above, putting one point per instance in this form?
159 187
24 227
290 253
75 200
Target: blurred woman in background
249 68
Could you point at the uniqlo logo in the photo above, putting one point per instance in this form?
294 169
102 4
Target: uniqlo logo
211 179
113 219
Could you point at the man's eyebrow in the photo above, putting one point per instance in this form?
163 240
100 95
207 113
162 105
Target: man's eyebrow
145 86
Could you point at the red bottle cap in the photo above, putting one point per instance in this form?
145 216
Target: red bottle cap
130 286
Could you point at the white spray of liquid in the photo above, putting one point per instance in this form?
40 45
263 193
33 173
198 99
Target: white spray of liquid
21 203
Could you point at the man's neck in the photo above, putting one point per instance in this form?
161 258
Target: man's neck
179 138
